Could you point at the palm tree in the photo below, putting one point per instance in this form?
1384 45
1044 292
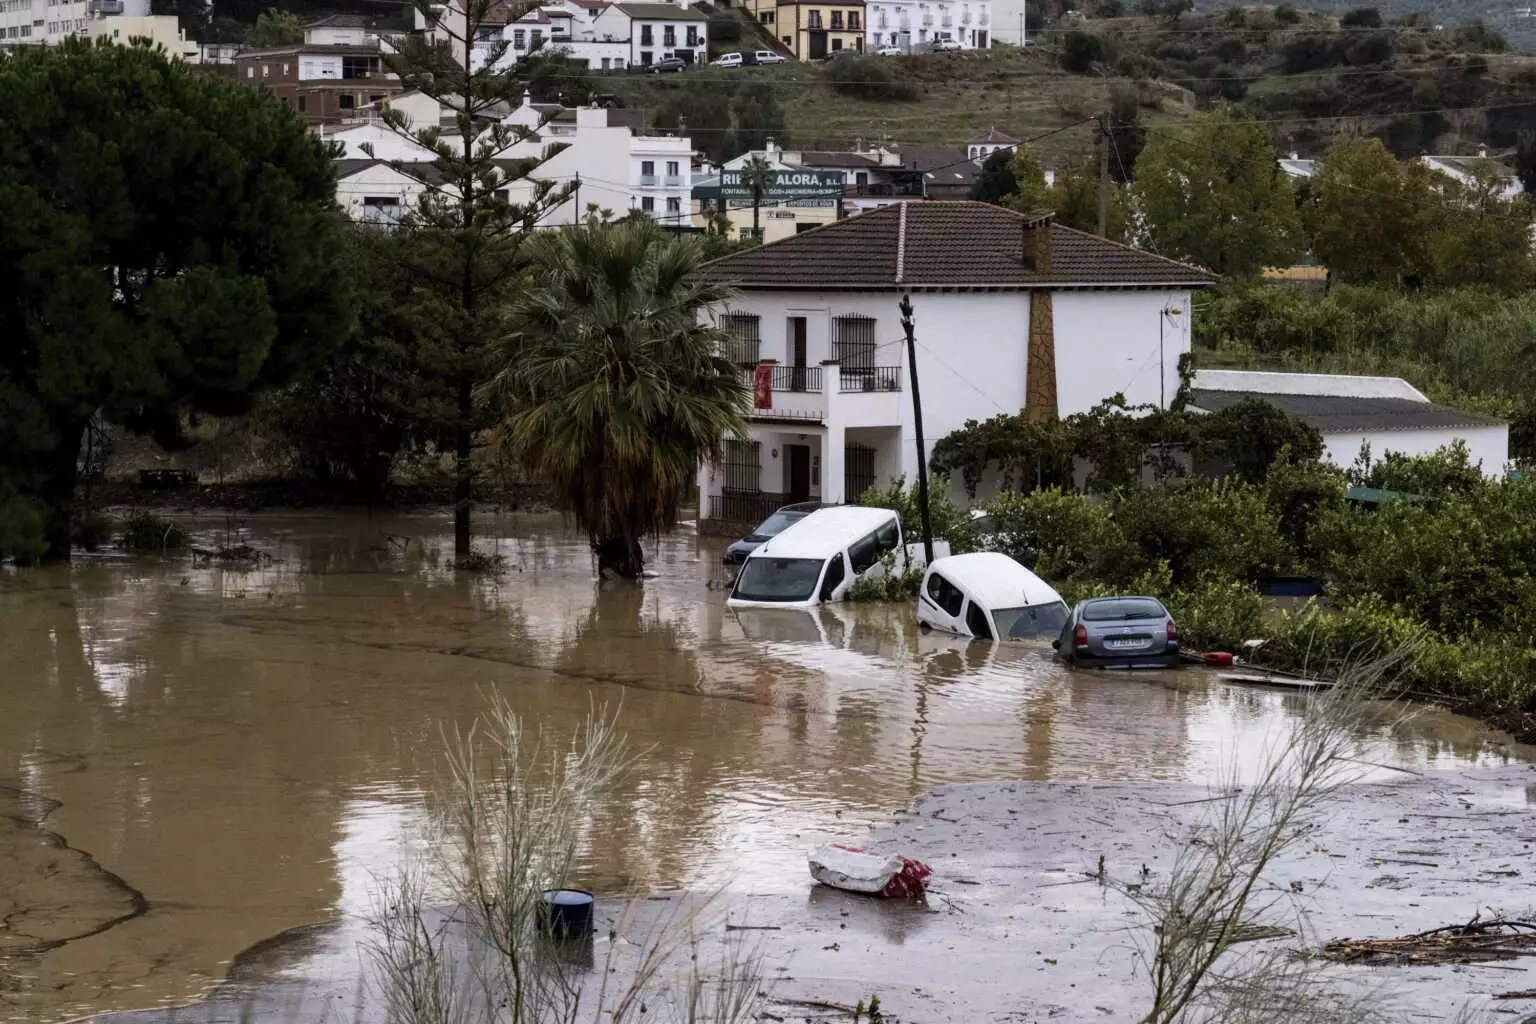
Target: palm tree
613 390
758 175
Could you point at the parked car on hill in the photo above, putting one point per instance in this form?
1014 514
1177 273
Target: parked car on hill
1119 632
767 57
728 60
770 527
666 64
888 51
946 45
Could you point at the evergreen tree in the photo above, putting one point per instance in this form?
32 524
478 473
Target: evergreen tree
996 181
468 232
168 241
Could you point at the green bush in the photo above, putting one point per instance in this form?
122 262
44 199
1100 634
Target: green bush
145 532
1361 17
21 531
869 78
1447 471
950 522
1460 564
1081 50
1222 530
1301 492
1060 535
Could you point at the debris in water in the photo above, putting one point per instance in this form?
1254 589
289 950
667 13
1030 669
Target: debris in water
1474 942
856 870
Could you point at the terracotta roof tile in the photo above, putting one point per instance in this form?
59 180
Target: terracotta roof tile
993 138
943 245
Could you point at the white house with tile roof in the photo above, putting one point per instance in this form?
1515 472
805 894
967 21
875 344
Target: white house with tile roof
1013 313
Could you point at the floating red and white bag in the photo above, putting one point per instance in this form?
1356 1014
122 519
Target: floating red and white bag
855 870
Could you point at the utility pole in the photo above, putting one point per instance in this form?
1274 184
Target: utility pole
576 202
1103 175
917 420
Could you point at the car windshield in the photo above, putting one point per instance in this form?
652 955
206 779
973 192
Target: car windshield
778 579
1030 621
775 524
1120 608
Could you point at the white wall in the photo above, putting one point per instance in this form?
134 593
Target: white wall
379 180
333 35
1107 342
326 66
1488 445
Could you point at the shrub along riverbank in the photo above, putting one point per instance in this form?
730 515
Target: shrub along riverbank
1446 574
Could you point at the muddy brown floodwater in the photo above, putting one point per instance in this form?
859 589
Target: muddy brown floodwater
195 759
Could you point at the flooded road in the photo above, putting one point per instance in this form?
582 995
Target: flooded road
236 753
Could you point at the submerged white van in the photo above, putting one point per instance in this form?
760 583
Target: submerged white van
817 558
989 596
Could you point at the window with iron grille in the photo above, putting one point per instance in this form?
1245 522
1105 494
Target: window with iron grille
858 471
744 344
744 467
853 345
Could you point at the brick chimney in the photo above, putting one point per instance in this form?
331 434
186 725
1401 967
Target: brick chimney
1040 394
1036 239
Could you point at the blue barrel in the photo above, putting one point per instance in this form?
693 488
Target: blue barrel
566 913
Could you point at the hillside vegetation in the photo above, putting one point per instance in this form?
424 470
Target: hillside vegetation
1311 76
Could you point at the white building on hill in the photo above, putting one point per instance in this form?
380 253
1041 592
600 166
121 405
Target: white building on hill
30 22
915 25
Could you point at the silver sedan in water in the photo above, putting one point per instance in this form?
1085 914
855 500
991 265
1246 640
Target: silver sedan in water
1119 632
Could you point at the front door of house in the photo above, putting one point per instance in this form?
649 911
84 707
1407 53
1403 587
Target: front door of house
818 44
797 353
799 469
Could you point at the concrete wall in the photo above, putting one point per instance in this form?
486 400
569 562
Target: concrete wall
1486 445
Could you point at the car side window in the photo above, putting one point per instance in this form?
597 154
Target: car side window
976 622
886 537
945 594
834 578
863 553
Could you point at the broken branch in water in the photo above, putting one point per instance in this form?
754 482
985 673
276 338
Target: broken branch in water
1474 942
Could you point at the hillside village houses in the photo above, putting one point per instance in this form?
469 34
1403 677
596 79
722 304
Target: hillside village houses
37 22
607 36
602 153
1463 169
814 30
1013 312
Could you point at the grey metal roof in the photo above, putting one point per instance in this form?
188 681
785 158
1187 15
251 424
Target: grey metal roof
1332 414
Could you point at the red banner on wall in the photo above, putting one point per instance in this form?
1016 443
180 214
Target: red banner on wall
762 386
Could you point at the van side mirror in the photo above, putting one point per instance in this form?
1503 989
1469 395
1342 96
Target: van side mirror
1056 644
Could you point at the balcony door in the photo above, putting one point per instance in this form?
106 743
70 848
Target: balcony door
797 375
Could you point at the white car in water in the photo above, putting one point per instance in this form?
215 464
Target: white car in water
988 596
818 558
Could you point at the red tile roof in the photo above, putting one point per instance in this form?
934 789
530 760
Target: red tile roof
993 138
933 244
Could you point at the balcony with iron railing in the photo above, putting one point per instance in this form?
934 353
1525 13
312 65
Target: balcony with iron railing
853 396
647 180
